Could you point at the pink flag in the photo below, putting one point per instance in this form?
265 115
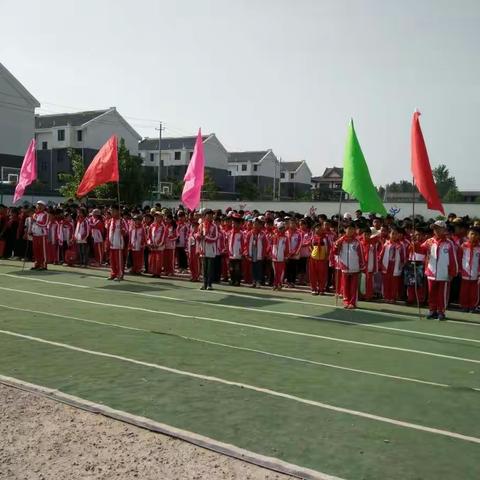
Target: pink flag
28 173
193 179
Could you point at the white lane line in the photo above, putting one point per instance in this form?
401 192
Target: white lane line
262 352
254 309
260 327
254 388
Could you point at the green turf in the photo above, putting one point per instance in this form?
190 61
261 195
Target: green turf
336 443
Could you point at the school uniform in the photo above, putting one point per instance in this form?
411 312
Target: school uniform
137 241
280 253
351 261
182 245
221 248
305 252
208 250
236 247
294 238
469 260
169 252
441 266
414 275
53 248
193 253
391 262
256 247
116 234
156 245
318 263
372 247
38 230
97 229
82 231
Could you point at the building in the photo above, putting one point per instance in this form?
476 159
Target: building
17 123
176 155
329 185
84 132
260 169
295 179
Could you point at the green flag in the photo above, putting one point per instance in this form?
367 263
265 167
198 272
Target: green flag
356 177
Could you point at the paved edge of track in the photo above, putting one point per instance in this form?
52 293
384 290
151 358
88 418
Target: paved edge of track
270 463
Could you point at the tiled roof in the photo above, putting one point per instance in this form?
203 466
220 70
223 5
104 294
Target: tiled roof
246 157
170 143
63 119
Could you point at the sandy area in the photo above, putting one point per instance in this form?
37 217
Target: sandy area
41 439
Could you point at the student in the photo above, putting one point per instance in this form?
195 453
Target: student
469 259
82 232
38 231
97 229
256 246
65 235
372 247
305 251
156 245
236 248
193 250
170 243
116 234
351 261
391 261
441 266
319 256
137 242
221 248
208 234
414 272
53 247
280 252
182 242
294 237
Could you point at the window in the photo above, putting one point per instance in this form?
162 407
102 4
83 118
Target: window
61 135
79 135
152 157
229 173
292 176
244 167
255 168
178 155
191 155
282 175
44 145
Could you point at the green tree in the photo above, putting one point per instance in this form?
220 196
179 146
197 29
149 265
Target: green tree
71 181
209 189
444 181
247 191
453 195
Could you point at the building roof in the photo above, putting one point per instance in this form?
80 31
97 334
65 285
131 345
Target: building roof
16 85
63 119
170 143
246 157
290 166
337 170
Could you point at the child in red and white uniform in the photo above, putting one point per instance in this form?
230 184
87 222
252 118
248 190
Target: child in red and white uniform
415 278
221 250
236 247
372 247
294 237
226 227
318 262
136 244
441 267
182 242
351 261
53 248
82 232
256 249
392 261
39 230
117 233
170 244
208 234
193 251
97 229
156 245
305 251
469 260
65 235
280 253
269 230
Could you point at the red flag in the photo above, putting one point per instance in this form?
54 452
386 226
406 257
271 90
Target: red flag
103 169
421 170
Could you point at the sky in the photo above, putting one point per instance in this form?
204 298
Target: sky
280 74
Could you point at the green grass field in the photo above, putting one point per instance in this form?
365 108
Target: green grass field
369 394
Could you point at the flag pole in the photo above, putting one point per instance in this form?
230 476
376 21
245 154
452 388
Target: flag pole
338 236
414 261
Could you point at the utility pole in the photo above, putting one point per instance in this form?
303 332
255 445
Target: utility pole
159 171
280 179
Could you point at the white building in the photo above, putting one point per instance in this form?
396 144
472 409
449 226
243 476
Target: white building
177 152
17 121
295 179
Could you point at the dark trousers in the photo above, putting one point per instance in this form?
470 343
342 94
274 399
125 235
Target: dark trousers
145 259
291 270
235 269
182 258
257 271
208 268
83 251
268 271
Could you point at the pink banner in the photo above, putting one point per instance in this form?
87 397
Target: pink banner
193 180
28 173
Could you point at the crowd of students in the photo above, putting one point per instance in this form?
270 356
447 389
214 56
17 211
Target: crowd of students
433 263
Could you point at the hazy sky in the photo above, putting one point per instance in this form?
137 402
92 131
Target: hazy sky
280 74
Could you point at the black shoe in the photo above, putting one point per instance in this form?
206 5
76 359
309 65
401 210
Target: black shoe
442 317
432 315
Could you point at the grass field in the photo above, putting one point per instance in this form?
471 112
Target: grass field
369 394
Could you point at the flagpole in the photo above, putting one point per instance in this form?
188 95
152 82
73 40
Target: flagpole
338 236
414 261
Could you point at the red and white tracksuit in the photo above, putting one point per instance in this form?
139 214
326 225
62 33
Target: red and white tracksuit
169 252
371 248
193 253
351 261
392 261
116 233
318 268
53 249
97 229
441 266
469 260
137 240
280 252
156 244
415 255
39 238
